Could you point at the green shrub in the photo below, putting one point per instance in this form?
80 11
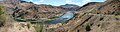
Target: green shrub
117 12
39 27
2 14
1 10
3 17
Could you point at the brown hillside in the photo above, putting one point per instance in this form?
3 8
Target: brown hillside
97 17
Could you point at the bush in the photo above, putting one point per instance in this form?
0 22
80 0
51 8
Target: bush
2 16
1 10
117 12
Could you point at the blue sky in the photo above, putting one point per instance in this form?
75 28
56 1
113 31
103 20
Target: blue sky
63 2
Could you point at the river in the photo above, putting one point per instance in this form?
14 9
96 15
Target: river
67 16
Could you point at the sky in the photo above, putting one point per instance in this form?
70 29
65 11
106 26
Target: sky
63 2
1 0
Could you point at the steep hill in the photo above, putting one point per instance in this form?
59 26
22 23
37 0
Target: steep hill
94 17
19 8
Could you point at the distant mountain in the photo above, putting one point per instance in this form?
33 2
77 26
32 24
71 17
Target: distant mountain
70 6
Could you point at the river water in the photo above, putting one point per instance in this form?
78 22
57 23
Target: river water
67 16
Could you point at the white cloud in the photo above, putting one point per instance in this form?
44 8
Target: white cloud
71 2
78 3
37 1
31 0
85 1
41 0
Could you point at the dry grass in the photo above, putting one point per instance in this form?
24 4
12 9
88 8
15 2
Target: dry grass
4 18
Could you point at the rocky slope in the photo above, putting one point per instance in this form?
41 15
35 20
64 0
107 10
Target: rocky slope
19 8
94 17
7 23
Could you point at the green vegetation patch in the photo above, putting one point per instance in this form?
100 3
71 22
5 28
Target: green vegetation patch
117 12
1 10
3 16
21 18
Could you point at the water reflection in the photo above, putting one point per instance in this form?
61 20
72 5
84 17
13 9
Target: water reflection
67 16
